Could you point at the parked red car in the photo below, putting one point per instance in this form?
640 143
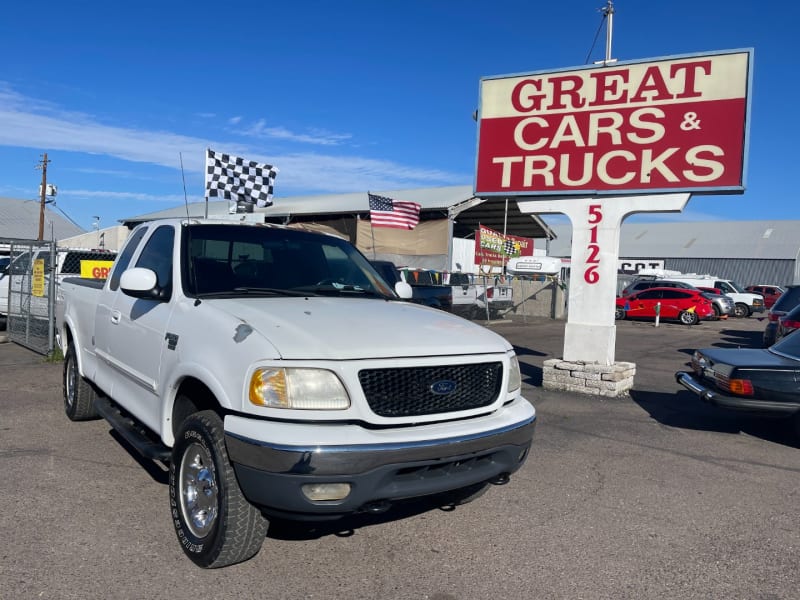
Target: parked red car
685 306
770 292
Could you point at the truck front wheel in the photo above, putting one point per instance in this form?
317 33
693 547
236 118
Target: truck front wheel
79 395
215 524
741 310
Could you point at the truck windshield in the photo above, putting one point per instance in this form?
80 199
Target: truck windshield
245 260
729 287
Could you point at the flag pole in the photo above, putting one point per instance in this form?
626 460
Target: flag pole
372 231
505 227
205 183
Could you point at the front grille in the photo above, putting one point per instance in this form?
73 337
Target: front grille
409 391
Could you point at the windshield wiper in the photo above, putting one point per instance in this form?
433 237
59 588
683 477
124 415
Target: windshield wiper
272 291
255 291
344 289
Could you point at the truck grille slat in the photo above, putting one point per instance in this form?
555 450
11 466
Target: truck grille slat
415 391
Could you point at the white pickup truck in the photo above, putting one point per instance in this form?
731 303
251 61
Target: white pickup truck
277 374
471 299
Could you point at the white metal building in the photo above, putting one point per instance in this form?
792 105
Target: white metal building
748 252
19 220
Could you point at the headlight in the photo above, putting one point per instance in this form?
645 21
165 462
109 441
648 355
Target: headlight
514 376
303 389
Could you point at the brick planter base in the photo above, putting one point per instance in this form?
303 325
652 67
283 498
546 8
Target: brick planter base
588 378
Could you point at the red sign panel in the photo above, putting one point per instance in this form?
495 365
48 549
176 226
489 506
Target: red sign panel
677 124
494 249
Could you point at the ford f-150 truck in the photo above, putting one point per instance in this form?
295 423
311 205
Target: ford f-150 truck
277 374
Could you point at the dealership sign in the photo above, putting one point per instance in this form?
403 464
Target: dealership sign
677 124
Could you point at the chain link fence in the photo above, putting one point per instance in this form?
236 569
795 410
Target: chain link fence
28 292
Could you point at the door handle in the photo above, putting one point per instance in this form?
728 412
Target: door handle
115 316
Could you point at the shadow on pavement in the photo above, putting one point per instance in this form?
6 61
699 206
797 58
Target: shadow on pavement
348 525
737 338
531 374
156 470
684 411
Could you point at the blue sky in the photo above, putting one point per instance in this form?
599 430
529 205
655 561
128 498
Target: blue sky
341 97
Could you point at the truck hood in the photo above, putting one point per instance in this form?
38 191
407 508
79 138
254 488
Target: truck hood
354 328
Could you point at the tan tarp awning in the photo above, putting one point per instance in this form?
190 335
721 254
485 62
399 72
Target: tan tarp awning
427 238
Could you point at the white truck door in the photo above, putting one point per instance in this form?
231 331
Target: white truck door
104 329
137 330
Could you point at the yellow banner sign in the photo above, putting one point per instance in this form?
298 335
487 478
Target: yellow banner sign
96 269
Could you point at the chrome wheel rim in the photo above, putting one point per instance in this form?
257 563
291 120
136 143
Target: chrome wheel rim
199 493
72 374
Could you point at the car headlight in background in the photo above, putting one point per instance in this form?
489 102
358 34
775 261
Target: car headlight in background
297 388
514 376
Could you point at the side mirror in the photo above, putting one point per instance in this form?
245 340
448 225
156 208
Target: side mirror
403 290
140 283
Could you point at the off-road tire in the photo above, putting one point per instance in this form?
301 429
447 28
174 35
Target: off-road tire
688 318
226 528
741 310
79 395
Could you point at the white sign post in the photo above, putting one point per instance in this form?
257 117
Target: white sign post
590 334
604 142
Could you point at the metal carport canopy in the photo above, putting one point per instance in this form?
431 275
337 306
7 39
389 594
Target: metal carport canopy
439 202
457 201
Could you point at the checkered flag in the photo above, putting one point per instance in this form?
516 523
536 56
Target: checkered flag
237 179
508 247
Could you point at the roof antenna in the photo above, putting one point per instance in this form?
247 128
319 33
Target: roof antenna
183 176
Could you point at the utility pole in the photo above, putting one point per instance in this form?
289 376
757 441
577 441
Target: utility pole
42 194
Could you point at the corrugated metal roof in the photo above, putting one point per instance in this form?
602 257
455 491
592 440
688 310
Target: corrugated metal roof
699 239
468 210
20 219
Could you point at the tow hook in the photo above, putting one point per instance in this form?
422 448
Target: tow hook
501 479
377 507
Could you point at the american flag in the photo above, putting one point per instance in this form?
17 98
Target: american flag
385 212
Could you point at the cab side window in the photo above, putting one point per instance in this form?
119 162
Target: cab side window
157 256
724 287
124 258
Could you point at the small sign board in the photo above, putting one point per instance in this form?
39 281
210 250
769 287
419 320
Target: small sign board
493 248
37 282
675 124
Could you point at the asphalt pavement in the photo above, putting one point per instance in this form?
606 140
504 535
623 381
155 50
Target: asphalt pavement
654 495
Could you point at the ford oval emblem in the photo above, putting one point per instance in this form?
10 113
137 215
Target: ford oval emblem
443 387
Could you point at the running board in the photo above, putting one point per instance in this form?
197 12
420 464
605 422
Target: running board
136 435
